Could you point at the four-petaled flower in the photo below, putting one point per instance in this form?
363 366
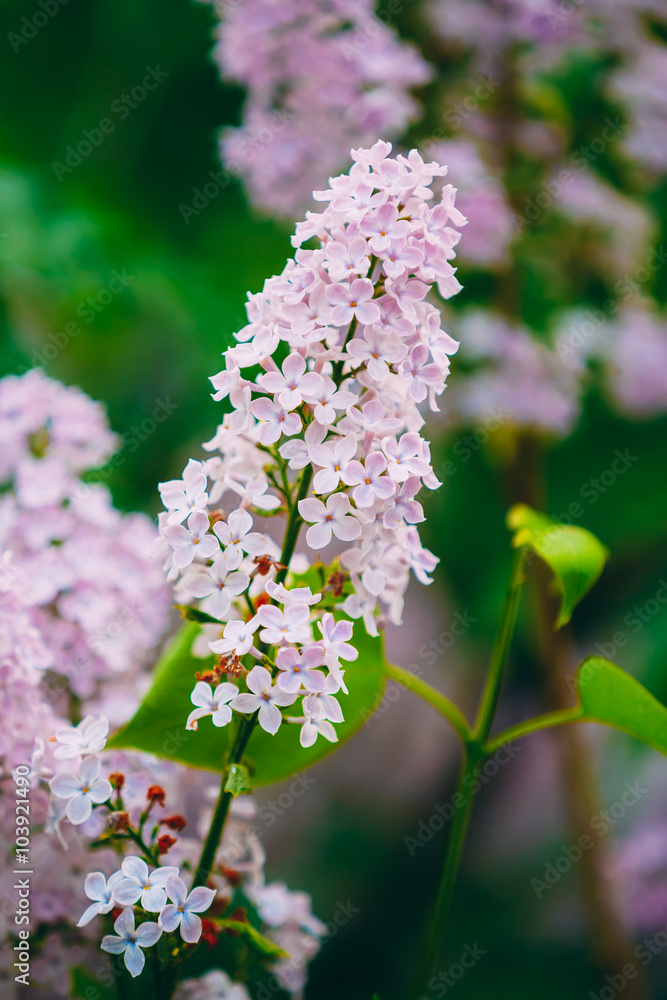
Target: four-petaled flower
312 728
355 299
294 384
264 697
90 736
334 459
334 518
183 909
236 536
101 892
298 669
275 420
131 940
218 586
289 625
213 703
138 883
237 637
371 480
191 542
82 790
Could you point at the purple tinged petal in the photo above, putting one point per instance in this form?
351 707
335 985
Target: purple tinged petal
170 918
270 718
200 899
78 809
127 892
176 889
134 867
112 944
191 927
148 933
134 959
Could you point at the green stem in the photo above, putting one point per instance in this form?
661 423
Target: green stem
247 726
546 721
338 367
439 702
501 648
221 811
294 524
463 799
474 752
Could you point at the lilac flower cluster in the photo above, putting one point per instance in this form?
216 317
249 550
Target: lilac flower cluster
321 76
348 347
538 380
83 573
518 380
103 795
81 607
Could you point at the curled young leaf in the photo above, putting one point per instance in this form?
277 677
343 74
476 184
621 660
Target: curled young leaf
575 556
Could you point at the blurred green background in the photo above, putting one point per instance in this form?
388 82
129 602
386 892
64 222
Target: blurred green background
157 340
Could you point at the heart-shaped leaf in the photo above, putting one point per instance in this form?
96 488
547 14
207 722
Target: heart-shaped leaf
614 698
575 556
158 726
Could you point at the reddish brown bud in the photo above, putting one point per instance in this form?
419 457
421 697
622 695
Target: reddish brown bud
116 780
176 822
119 820
165 843
336 583
208 676
156 794
209 932
233 877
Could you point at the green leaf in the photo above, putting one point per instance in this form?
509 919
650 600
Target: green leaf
238 780
195 615
84 984
575 556
614 698
159 724
258 942
605 694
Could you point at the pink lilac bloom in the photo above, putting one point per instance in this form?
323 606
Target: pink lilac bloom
349 465
634 355
482 199
638 871
320 77
87 579
518 380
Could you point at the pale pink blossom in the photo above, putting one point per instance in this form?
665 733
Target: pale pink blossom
265 697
